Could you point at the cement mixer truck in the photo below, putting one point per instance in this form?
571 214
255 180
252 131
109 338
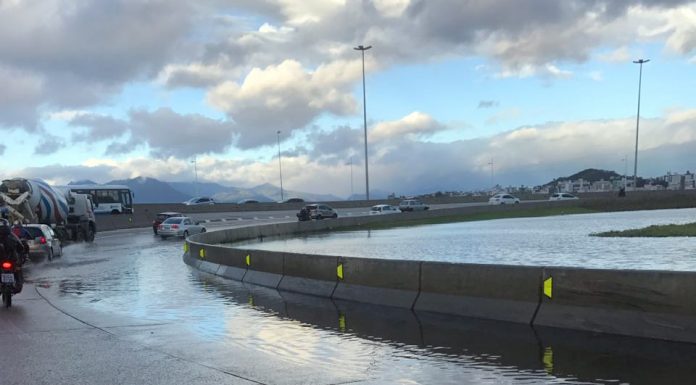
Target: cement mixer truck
34 201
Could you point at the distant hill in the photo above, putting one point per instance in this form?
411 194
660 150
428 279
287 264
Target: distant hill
150 190
81 182
590 175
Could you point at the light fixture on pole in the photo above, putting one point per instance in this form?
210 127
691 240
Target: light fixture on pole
195 172
635 162
280 167
367 178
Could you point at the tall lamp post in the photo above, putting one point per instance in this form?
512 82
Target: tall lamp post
635 162
280 167
367 178
195 172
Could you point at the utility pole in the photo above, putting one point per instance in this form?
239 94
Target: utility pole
635 162
367 178
280 167
195 172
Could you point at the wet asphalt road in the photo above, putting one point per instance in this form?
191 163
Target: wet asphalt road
127 310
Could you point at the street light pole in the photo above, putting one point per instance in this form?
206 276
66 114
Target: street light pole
195 172
367 178
635 162
351 176
280 167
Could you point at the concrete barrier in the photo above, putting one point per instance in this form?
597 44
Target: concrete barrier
652 304
309 274
379 281
264 268
509 293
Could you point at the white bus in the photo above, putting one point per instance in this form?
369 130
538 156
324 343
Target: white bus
108 199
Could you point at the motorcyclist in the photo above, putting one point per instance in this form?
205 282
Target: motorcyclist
15 249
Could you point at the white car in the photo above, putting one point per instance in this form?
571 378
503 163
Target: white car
383 209
503 199
199 201
179 227
562 197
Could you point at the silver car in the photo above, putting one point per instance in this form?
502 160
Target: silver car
179 227
321 211
42 241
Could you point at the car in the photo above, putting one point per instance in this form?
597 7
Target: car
161 217
412 205
247 201
179 227
317 211
42 241
503 199
383 209
199 201
562 197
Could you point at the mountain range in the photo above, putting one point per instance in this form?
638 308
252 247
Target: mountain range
151 190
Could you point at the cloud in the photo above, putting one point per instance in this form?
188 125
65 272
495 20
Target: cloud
488 103
415 124
165 132
405 164
619 55
49 144
285 97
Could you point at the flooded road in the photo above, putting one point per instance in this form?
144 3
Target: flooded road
545 241
140 284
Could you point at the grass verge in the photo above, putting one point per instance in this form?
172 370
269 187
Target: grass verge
685 230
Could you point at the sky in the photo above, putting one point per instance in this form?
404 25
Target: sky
461 95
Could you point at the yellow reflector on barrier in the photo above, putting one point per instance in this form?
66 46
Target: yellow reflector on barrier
547 360
186 248
248 260
548 287
201 253
339 271
342 322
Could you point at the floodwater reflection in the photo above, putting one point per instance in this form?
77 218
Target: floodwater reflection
460 346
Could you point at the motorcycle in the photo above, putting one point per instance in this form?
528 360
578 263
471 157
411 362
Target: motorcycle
7 281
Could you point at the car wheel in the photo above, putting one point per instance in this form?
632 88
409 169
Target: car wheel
319 217
334 216
50 254
163 236
115 212
186 234
203 230
517 202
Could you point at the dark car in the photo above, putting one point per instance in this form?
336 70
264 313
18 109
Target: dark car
161 217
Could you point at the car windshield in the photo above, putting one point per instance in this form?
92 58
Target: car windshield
174 220
376 208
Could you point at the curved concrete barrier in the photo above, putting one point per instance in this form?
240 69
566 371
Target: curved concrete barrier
652 304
